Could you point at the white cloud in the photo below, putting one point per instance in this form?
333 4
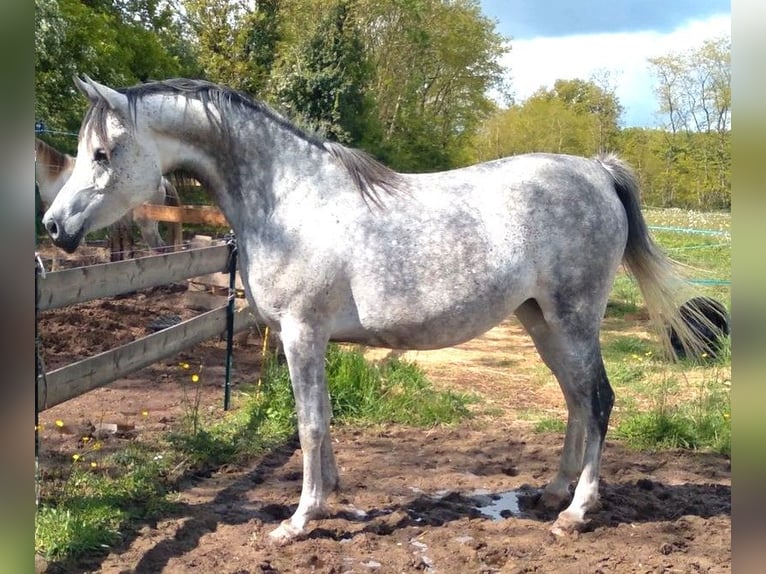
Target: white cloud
541 61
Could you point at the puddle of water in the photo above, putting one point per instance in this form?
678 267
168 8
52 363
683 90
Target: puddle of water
498 506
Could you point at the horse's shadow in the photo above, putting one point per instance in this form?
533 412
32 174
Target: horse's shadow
621 502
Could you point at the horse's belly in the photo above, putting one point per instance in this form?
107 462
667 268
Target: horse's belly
421 329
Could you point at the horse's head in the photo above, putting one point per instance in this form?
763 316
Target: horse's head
115 169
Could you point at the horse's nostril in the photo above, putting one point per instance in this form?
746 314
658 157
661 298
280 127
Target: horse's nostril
52 228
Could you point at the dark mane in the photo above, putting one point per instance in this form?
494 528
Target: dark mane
368 174
370 177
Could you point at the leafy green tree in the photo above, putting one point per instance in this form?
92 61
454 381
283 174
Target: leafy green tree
694 93
434 63
575 116
118 42
323 79
595 99
235 40
262 40
51 69
405 79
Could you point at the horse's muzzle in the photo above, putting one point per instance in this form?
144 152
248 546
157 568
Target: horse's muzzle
66 241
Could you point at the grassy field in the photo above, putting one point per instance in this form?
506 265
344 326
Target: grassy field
662 404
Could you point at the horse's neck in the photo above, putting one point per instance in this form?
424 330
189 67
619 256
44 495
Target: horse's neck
239 166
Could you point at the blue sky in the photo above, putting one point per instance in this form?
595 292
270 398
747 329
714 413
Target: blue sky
565 39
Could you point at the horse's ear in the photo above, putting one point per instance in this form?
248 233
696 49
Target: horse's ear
98 92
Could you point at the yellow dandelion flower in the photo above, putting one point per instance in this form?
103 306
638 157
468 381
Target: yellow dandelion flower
195 378
76 456
93 464
144 413
85 439
96 445
59 423
184 365
726 416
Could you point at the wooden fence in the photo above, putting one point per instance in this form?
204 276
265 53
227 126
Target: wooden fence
196 214
69 286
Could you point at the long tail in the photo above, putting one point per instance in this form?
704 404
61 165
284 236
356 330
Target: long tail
660 279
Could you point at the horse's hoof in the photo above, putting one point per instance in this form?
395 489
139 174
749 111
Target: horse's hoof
551 500
284 534
566 525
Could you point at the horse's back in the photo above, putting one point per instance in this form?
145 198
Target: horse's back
539 200
463 249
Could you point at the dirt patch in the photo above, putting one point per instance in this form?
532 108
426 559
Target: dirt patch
411 500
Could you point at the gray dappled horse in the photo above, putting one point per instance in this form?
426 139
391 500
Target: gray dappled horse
53 168
335 246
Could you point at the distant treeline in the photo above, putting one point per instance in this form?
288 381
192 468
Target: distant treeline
406 81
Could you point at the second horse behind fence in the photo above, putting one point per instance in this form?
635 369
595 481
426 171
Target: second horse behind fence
53 168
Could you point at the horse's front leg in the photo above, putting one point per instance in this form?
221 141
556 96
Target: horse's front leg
305 349
150 231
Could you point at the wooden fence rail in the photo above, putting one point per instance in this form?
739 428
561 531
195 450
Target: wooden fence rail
78 378
70 286
194 214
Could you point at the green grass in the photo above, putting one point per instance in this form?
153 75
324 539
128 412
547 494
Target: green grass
86 508
394 390
708 256
76 527
625 298
703 423
549 423
649 413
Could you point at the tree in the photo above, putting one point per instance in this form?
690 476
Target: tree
575 116
694 92
220 32
118 42
434 63
405 79
324 78
428 65
694 87
50 74
596 99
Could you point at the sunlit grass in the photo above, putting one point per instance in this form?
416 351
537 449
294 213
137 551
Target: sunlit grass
702 241
87 508
683 405
659 403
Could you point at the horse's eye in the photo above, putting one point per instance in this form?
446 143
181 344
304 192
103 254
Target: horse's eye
100 156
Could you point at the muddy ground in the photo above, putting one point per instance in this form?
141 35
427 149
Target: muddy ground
411 500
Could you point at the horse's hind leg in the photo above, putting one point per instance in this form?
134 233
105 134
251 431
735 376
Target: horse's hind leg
571 350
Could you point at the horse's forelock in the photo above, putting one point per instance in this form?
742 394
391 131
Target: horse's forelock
95 120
